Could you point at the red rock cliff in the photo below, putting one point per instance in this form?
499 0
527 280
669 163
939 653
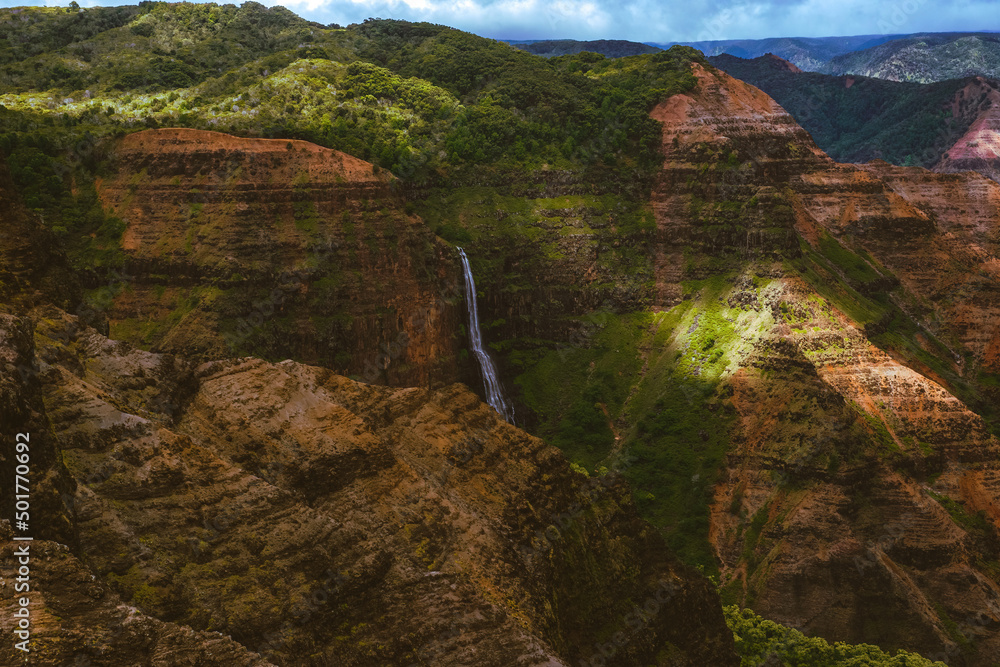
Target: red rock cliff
280 249
861 498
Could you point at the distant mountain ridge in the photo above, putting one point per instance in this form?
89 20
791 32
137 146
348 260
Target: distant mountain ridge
808 53
612 48
916 57
924 58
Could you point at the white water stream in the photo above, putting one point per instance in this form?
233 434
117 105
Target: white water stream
494 391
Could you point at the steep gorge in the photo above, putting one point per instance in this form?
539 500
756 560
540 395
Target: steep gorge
311 518
789 391
779 353
241 512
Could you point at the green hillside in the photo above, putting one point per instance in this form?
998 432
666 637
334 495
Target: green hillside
612 48
391 92
857 119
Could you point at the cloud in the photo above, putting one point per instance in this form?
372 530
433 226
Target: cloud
659 21
655 20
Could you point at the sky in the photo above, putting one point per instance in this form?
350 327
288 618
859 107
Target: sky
650 20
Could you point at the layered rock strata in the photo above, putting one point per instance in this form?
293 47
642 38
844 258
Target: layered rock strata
280 249
311 518
860 499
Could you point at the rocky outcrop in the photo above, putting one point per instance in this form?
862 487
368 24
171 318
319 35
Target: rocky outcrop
979 148
859 499
312 518
953 266
923 58
77 620
279 249
724 147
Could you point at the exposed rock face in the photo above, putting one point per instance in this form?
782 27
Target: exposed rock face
78 620
861 499
32 271
777 62
743 141
923 58
949 256
281 249
979 148
318 520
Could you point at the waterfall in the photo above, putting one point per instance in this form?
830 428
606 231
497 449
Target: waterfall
494 392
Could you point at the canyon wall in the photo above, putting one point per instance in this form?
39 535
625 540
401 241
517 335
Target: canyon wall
793 362
309 517
859 498
279 249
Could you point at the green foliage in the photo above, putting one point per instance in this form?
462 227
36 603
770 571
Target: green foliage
902 123
155 46
35 147
612 48
391 92
517 105
26 32
652 380
580 391
970 522
762 642
584 429
854 266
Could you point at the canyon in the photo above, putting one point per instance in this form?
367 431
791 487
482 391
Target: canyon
242 512
259 435
309 517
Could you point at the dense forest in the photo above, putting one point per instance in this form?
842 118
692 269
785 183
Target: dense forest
390 92
858 118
